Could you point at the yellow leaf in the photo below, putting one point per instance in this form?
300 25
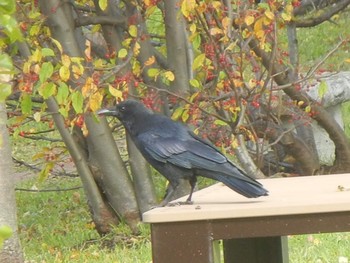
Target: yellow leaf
65 60
136 49
133 31
347 60
95 101
37 116
193 28
269 15
64 73
26 67
260 34
36 57
249 20
77 71
169 75
58 44
258 24
286 17
237 83
216 4
37 69
115 92
234 142
87 50
187 6
89 88
215 31
103 4
150 61
147 3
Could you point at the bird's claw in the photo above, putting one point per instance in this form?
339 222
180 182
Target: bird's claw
187 202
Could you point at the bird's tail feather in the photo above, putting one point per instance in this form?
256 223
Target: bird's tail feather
248 189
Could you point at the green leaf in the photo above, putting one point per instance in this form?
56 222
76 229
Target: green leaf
5 91
197 41
133 31
198 61
122 53
194 83
220 123
322 89
34 30
6 62
62 93
44 173
10 27
47 52
64 112
26 103
153 72
47 90
185 115
77 102
177 113
46 71
7 6
5 233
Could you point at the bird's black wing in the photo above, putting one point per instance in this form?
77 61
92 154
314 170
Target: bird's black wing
186 153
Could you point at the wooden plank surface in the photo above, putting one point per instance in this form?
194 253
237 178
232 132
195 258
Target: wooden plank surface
287 196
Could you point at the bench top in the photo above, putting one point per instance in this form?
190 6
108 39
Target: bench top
287 196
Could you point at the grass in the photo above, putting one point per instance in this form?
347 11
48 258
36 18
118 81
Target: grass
57 227
319 248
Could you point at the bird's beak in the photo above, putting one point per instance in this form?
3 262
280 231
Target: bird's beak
107 112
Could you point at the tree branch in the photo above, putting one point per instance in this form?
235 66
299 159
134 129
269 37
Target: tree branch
102 20
322 15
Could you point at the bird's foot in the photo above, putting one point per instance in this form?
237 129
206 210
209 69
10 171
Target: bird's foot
187 202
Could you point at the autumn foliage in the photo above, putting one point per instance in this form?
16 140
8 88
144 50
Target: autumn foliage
219 66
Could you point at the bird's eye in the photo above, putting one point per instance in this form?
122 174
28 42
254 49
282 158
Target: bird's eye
122 108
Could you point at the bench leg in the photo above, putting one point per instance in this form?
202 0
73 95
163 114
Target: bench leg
177 242
256 250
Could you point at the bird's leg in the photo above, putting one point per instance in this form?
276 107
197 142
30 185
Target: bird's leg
193 181
169 194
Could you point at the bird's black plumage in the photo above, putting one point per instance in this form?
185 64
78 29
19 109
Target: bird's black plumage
176 152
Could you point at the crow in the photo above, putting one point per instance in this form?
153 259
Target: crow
176 152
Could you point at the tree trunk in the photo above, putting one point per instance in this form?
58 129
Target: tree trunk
324 119
143 184
177 58
11 250
122 198
116 181
100 211
176 46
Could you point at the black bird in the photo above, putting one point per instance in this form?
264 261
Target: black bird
176 152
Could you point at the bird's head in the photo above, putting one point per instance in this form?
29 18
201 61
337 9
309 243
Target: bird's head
126 110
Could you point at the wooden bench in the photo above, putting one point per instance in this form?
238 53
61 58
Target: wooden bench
252 230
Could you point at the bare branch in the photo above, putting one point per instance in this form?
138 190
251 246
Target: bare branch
322 15
102 20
